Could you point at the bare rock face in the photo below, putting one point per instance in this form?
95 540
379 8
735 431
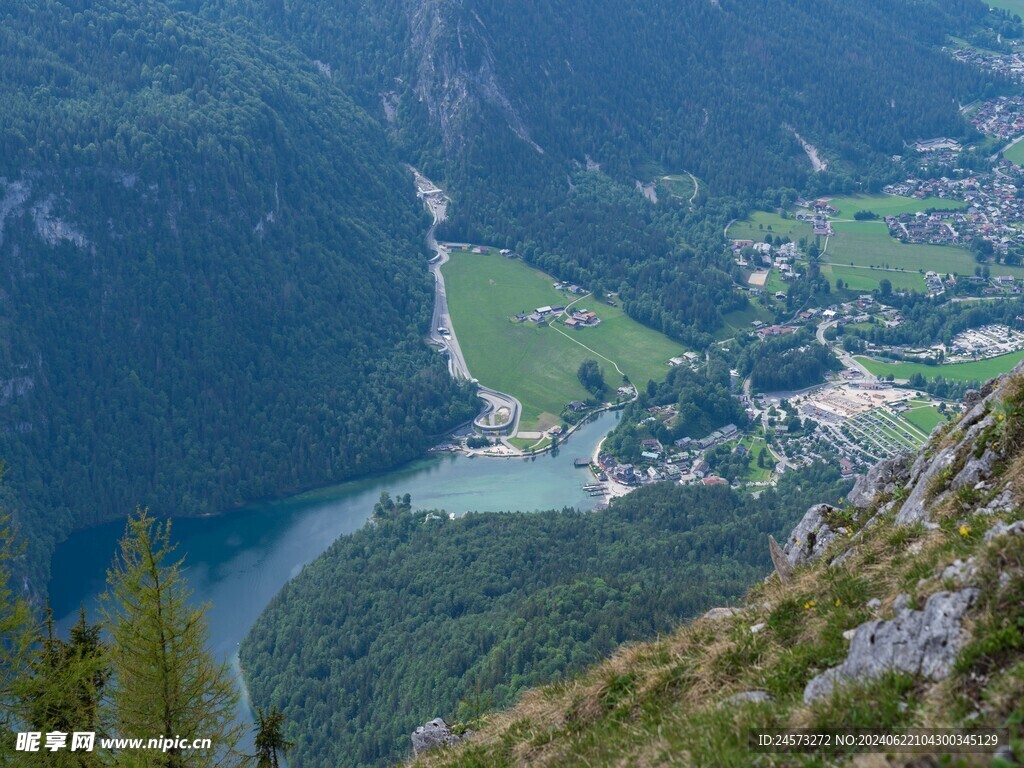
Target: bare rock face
977 469
434 734
886 477
812 535
914 509
923 643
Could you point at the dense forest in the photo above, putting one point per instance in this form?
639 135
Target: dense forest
788 362
417 616
213 273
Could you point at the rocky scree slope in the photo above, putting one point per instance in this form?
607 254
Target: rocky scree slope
903 608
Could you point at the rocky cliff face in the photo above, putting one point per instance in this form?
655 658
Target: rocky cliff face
903 608
452 54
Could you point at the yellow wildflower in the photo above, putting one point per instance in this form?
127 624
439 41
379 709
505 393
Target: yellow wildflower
965 530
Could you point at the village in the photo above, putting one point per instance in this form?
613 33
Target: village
850 421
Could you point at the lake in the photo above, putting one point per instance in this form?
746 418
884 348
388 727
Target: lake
237 561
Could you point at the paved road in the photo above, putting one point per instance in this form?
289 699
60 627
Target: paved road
844 357
493 400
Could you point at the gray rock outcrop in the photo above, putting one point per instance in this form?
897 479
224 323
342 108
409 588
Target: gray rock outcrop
921 643
812 535
434 734
885 478
914 509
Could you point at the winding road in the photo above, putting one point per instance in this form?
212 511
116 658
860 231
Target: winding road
494 400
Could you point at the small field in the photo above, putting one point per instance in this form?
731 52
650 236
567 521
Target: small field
761 223
923 416
538 364
740 321
864 279
1014 6
981 370
890 205
1015 154
869 244
679 185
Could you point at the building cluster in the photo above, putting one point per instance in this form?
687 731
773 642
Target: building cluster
1002 117
682 462
582 318
1009 65
994 211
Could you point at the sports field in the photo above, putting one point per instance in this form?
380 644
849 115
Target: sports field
981 370
538 364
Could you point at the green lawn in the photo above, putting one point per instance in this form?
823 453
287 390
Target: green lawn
757 226
538 364
890 205
982 370
925 418
1015 154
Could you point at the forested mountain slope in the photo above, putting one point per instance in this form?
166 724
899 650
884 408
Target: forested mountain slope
417 615
511 102
213 283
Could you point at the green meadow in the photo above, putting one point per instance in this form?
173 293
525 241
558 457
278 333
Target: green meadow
980 370
890 205
538 364
869 244
761 223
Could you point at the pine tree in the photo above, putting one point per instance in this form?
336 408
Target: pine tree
269 737
165 681
63 690
17 637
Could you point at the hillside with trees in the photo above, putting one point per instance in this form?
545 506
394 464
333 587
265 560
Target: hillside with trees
416 615
214 284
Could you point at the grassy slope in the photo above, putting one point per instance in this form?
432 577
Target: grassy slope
679 185
661 703
976 371
538 364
